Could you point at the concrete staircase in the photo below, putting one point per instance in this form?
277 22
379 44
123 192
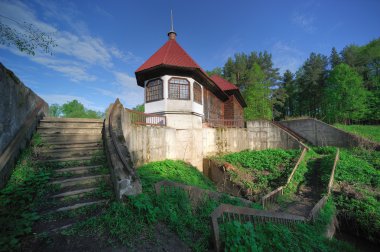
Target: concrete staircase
72 149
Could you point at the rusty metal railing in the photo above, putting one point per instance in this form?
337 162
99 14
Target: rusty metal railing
140 118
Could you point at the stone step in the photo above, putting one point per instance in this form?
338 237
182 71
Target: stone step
74 147
78 205
78 193
86 180
72 130
47 124
78 169
82 158
70 153
66 144
58 119
70 138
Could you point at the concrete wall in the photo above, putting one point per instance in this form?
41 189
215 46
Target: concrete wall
154 143
18 119
321 134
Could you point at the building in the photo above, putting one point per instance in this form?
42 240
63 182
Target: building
177 87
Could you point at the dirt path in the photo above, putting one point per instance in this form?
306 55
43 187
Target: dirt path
308 193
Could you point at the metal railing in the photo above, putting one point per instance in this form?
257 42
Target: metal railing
272 196
140 118
225 123
226 213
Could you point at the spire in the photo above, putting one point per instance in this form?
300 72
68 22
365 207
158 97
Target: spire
172 34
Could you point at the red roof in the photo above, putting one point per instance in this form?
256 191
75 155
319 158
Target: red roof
223 84
171 53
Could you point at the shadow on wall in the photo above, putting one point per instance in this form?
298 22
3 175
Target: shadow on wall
20 111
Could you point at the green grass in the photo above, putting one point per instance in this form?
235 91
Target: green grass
357 196
275 237
371 132
259 172
19 199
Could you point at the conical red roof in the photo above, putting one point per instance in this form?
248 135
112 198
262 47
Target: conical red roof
171 53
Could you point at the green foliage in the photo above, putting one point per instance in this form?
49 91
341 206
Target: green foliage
275 237
261 171
345 96
18 200
358 177
371 132
257 95
177 171
27 37
73 109
140 108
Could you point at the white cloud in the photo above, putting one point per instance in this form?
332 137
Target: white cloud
77 52
305 21
286 57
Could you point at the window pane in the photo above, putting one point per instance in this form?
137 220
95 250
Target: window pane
197 93
154 90
179 89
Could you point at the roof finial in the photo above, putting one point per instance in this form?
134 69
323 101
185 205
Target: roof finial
172 34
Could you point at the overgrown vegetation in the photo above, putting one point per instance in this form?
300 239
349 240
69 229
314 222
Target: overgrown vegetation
125 222
276 237
20 198
259 172
371 132
357 193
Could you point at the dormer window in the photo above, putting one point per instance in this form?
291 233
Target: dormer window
154 90
197 93
179 89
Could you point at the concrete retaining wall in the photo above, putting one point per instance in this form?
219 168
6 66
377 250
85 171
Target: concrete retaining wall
155 143
322 134
20 110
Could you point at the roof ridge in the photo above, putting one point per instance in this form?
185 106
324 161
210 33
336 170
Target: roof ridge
167 50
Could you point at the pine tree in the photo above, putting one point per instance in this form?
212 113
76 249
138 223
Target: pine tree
334 58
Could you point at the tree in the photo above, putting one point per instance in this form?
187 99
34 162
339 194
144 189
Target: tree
288 84
55 110
215 71
310 82
28 38
345 95
75 109
140 108
334 58
256 95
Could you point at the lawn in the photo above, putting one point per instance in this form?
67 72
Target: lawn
371 132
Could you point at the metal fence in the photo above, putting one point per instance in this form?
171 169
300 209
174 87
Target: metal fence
140 118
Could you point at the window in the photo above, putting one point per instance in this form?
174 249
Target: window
197 93
179 89
154 90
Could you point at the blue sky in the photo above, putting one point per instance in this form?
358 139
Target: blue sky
102 43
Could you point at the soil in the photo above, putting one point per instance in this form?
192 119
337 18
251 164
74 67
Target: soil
162 239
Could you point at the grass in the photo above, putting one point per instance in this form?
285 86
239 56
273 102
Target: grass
275 237
124 222
371 132
357 193
259 172
19 199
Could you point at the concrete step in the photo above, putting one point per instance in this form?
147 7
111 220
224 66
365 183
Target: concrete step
78 169
70 138
86 180
82 158
72 130
57 119
75 206
47 124
74 147
78 193
66 144
67 153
